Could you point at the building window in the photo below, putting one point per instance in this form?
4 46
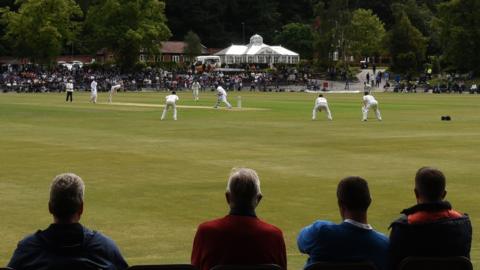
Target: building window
176 58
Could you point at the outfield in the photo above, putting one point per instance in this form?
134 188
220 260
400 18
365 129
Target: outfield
149 183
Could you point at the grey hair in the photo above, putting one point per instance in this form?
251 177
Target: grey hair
66 195
244 185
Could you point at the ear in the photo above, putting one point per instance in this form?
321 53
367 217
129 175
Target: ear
417 194
80 210
50 208
259 198
444 194
227 197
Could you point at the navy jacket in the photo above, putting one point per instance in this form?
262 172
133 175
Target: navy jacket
430 230
67 246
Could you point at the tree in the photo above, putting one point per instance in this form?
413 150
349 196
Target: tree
193 46
127 28
41 28
297 37
331 24
407 45
460 29
366 34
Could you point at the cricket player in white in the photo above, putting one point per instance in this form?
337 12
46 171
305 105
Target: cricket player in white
222 97
369 102
170 102
321 104
93 94
195 89
115 87
69 88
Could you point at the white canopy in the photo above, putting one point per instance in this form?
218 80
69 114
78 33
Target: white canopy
257 52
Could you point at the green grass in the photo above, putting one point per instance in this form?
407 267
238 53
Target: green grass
149 183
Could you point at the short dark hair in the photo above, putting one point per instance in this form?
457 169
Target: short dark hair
366 93
173 92
320 95
430 183
353 193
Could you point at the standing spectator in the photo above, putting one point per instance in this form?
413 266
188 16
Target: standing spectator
240 237
66 244
431 228
352 240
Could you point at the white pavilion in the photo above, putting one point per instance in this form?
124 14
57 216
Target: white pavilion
257 53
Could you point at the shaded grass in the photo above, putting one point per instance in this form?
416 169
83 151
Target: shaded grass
150 182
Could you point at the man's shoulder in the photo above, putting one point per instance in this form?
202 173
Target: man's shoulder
95 238
30 241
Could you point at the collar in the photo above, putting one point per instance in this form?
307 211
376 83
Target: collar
243 212
428 207
358 224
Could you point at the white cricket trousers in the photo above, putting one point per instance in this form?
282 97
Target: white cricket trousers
224 100
195 94
321 106
373 106
93 97
169 105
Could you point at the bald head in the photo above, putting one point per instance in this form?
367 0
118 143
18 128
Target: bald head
243 189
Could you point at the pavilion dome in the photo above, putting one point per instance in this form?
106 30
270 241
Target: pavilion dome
256 40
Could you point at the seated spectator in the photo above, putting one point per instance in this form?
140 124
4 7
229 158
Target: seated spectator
354 240
66 244
431 228
240 237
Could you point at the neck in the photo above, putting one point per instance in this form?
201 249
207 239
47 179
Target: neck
357 216
71 220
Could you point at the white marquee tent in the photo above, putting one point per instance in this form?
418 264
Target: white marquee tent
257 53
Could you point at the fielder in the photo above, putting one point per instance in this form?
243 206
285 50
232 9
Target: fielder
170 102
69 88
321 104
116 85
222 97
369 101
195 89
93 94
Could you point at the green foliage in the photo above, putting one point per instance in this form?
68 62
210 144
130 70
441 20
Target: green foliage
193 46
40 28
460 29
297 37
407 45
126 28
366 33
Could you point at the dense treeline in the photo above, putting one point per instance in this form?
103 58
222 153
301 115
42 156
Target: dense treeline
414 34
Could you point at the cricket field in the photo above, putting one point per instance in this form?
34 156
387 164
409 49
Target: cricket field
149 183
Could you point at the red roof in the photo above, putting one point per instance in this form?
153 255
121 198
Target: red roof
177 47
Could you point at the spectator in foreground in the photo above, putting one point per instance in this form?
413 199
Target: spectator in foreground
430 228
240 237
354 240
66 244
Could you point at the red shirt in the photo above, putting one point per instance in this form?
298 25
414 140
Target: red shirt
238 240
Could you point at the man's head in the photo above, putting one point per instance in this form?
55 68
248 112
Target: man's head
366 93
243 189
174 93
66 198
320 95
353 196
429 185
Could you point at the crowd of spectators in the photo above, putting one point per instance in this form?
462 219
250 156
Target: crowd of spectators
430 228
31 78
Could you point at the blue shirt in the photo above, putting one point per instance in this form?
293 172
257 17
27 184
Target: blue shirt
345 242
67 246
